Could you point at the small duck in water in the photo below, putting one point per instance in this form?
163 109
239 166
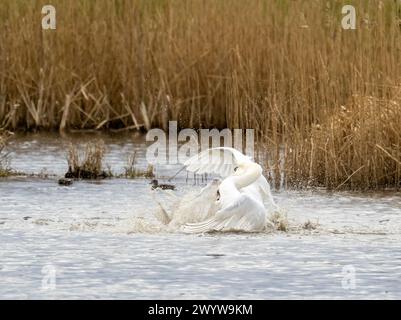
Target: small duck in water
155 184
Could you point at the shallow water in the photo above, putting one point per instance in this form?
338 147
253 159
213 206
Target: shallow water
101 239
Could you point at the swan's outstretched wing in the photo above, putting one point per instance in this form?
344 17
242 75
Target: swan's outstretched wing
264 188
222 161
241 215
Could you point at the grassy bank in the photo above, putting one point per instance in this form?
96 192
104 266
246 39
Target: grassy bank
285 68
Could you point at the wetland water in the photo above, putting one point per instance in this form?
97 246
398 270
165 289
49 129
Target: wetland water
102 239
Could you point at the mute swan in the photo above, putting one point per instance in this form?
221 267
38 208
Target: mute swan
240 195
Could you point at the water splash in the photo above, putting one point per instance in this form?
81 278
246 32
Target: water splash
194 206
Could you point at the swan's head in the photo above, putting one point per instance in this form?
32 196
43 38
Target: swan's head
246 173
247 168
239 169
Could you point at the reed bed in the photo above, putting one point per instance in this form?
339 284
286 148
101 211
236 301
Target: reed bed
86 164
358 146
132 171
282 67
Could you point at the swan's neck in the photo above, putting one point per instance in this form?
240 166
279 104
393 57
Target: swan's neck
251 173
229 188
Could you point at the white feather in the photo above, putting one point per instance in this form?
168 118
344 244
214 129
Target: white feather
221 161
244 214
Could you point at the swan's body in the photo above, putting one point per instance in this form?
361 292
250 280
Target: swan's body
238 212
260 190
241 194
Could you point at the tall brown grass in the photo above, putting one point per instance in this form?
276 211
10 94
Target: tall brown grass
282 67
87 164
358 146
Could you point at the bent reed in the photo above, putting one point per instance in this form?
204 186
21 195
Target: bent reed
324 100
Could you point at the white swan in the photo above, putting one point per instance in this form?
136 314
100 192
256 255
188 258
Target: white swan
240 195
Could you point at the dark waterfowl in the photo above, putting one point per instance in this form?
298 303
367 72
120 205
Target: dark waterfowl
65 182
155 185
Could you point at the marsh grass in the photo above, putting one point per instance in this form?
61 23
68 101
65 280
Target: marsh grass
87 164
358 146
281 67
132 171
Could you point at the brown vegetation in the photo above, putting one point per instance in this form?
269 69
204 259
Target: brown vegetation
132 170
358 146
282 67
86 165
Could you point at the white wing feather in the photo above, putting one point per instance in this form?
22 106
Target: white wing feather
235 217
264 189
220 161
